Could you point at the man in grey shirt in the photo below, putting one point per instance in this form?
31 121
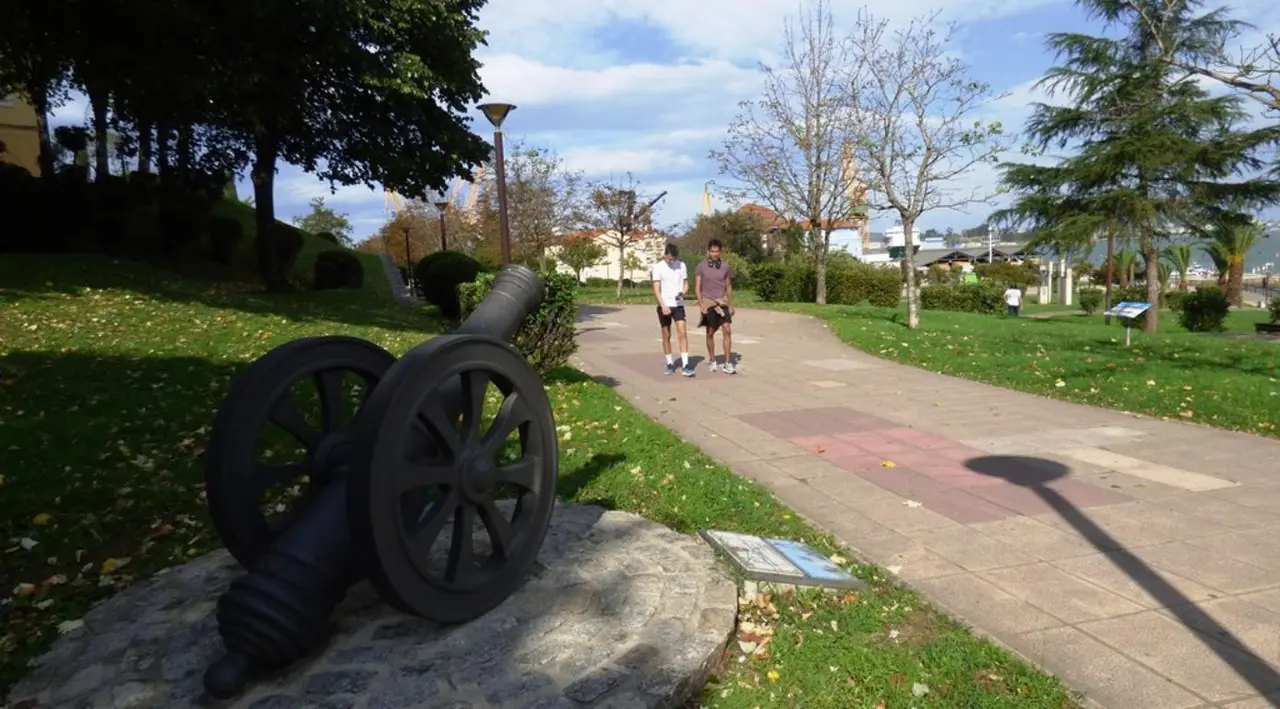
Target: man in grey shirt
713 285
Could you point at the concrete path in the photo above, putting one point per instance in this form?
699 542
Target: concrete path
1137 559
399 290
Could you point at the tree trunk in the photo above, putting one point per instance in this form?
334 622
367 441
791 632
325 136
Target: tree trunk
99 102
1182 280
163 163
819 262
1111 266
264 173
909 258
1151 323
184 153
1235 281
622 253
40 104
144 147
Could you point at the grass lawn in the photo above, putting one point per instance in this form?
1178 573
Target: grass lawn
1211 379
111 373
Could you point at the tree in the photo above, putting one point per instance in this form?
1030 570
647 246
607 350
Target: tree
580 253
912 107
1179 258
616 210
740 232
790 146
543 199
325 219
632 263
1229 245
1153 150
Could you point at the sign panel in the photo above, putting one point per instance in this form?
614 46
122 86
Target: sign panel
1128 309
779 560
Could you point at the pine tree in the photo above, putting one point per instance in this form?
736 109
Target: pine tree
1155 153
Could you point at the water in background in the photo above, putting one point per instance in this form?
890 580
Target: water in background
1267 250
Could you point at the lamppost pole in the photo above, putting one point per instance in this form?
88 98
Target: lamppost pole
408 260
496 113
444 242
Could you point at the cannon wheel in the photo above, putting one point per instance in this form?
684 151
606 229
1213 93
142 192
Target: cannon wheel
428 485
236 479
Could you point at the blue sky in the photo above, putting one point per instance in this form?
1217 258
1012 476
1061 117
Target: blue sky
617 86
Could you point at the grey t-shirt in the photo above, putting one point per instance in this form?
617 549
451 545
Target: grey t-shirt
714 279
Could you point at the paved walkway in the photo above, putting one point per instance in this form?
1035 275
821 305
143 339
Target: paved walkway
1137 559
399 290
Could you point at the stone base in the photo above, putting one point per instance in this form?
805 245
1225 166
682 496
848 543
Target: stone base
620 612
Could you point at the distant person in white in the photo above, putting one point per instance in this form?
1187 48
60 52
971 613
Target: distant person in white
1013 299
670 283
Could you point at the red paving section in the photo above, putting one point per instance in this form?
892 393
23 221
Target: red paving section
930 469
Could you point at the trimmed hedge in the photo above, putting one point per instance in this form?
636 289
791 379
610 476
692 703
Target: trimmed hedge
986 298
439 275
547 337
338 269
1204 310
848 283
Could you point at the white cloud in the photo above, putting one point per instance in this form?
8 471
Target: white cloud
599 161
525 81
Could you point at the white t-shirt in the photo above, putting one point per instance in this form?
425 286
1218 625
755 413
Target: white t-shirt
1013 297
670 279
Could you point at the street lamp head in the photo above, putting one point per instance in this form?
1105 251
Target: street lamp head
441 204
496 112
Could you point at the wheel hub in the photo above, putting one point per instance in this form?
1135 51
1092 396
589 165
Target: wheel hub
332 456
478 476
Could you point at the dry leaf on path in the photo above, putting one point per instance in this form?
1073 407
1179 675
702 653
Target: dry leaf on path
888 464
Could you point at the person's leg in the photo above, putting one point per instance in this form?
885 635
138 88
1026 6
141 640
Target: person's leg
682 334
727 329
664 321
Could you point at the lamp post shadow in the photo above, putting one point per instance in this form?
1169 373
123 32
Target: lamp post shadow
1036 474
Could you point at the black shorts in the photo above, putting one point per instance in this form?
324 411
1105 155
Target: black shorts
677 314
715 317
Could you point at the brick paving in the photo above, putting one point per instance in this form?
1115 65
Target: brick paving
1138 559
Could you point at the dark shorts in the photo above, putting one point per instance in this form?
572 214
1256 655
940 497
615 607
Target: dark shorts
714 318
677 314
1013 309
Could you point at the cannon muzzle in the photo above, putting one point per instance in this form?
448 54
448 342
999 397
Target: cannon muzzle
516 292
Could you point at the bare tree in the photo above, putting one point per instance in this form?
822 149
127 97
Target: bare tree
914 127
788 146
543 198
621 215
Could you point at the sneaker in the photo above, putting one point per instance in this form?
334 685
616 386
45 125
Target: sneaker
688 370
729 368
714 367
671 368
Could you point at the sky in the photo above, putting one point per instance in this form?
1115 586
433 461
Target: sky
617 86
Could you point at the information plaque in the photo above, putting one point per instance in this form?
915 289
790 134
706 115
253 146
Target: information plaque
1128 309
779 560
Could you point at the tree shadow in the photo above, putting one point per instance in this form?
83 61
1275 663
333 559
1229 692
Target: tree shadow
574 482
588 313
1035 474
571 375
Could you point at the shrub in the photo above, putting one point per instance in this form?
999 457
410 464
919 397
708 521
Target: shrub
179 223
420 269
288 245
742 269
1024 274
1134 293
986 298
338 269
440 278
1174 300
1275 309
938 274
546 338
1090 300
328 236
1204 310
767 278
225 235
21 197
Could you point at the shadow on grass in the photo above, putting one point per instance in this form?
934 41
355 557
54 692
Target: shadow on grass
29 277
570 375
1036 474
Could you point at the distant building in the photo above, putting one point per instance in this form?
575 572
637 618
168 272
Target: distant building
20 134
852 236
648 245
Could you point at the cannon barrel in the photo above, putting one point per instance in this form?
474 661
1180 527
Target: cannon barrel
277 612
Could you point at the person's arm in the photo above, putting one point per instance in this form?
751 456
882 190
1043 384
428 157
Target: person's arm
728 289
657 290
684 281
697 289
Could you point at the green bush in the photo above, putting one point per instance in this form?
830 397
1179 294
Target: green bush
1024 274
742 269
179 224
938 275
288 245
1090 300
21 197
328 236
1204 310
225 234
420 269
440 278
986 298
849 282
1175 300
337 269
1275 309
546 338
1133 293
767 277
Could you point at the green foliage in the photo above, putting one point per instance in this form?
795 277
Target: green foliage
439 276
986 298
288 244
182 222
225 235
326 223
547 337
1090 300
1275 309
1025 274
938 274
742 269
329 237
849 282
579 254
1205 310
1174 300
338 269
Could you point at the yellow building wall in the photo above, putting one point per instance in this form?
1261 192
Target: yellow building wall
19 134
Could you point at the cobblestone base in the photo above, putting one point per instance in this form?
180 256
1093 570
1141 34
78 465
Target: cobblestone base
621 612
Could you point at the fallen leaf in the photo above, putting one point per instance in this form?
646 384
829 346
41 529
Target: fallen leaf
27 543
42 519
912 504
919 690
747 646
23 589
113 564
773 675
68 626
1186 414
893 569
837 559
888 464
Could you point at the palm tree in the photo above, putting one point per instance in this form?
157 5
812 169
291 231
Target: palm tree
1178 256
1126 264
1228 246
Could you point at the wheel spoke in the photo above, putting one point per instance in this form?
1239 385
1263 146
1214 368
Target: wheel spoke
511 416
522 473
329 382
440 428
500 534
414 475
285 415
265 475
474 385
461 551
424 532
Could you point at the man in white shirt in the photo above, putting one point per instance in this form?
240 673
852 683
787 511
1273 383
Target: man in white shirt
670 282
1013 299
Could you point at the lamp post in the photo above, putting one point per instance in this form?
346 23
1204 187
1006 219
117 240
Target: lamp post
408 260
441 204
497 113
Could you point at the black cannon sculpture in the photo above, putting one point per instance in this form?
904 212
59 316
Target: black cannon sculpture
411 468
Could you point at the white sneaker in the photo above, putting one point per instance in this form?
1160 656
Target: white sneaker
714 367
729 368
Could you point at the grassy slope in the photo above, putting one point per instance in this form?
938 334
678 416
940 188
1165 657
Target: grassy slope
112 372
1210 379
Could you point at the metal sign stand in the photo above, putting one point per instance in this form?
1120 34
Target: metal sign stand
1127 311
